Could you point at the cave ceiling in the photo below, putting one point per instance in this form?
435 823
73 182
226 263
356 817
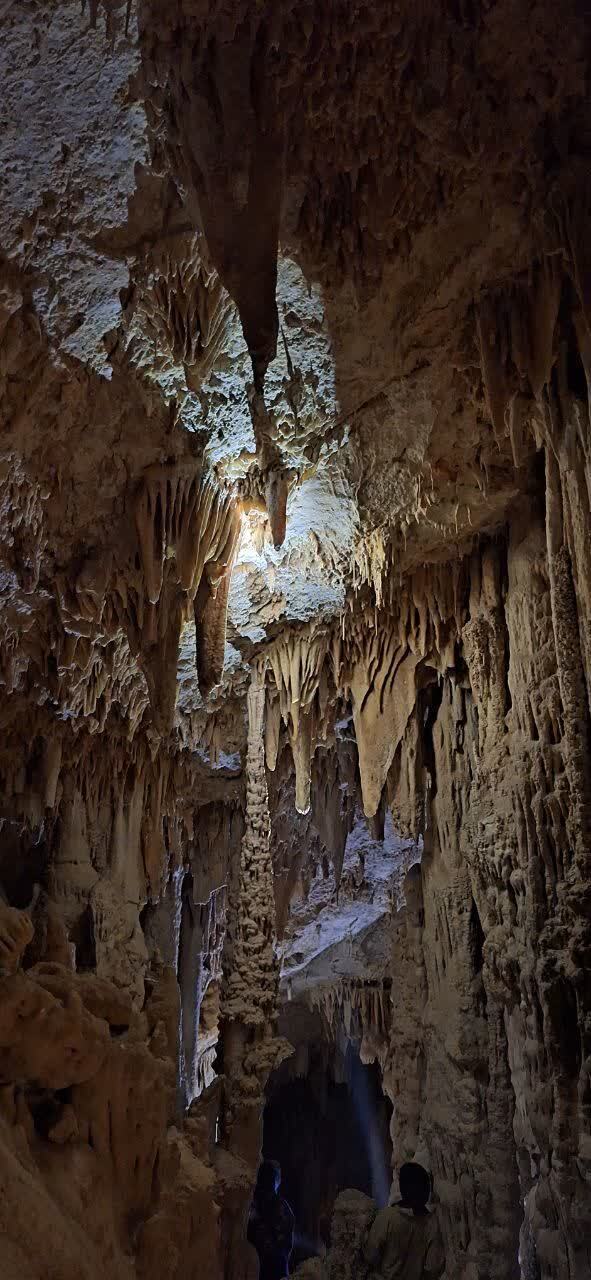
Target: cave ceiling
253 245
278 292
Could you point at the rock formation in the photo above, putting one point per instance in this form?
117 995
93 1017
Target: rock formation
295 618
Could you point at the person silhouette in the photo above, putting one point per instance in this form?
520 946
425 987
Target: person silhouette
404 1241
271 1224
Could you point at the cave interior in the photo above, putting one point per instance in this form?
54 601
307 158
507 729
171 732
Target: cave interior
295 631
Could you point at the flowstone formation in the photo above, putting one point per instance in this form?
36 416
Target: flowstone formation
295 616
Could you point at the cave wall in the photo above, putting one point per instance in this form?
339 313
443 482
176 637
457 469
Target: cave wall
93 1068
483 1047
490 1020
484 1050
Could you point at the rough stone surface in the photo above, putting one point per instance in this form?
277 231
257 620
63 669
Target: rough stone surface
295 614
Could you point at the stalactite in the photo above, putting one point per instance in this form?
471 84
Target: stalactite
362 1008
379 672
178 312
179 515
276 502
484 644
188 536
370 562
333 801
296 660
211 612
492 356
266 487
272 731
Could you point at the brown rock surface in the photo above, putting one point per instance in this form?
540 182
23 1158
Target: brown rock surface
295 516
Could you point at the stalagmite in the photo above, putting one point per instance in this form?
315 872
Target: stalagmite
249 991
249 1046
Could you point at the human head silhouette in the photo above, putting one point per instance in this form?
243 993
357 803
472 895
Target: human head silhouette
415 1185
269 1178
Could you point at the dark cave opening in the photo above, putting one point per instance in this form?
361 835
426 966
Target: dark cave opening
329 1130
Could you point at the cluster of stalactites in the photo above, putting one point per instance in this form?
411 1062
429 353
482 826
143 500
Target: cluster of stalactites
372 659
524 332
370 563
535 350
515 332
180 515
180 313
360 1007
188 533
297 661
523 344
114 629
375 667
377 655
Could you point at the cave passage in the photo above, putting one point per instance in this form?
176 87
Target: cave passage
295 639
329 1130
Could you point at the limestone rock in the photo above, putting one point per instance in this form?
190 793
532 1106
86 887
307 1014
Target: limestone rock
16 932
295 615
74 1044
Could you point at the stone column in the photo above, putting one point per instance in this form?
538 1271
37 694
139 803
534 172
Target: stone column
249 1048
